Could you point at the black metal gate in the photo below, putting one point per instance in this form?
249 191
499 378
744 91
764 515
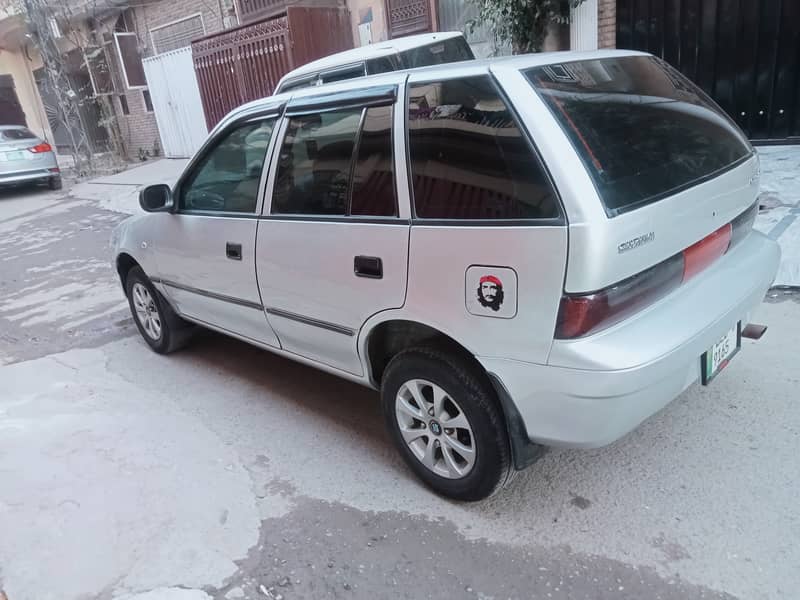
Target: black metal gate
743 53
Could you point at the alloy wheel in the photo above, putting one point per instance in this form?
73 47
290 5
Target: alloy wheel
435 428
146 311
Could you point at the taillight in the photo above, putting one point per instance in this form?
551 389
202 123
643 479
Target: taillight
700 255
579 315
582 314
43 147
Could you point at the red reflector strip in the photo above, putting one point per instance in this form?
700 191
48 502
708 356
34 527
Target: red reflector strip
700 255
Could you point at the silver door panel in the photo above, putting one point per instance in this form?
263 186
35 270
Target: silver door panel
306 268
192 254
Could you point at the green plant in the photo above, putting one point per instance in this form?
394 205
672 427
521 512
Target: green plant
522 22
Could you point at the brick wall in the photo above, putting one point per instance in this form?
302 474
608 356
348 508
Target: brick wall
607 23
139 128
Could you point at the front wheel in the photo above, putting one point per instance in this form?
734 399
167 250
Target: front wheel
445 419
161 328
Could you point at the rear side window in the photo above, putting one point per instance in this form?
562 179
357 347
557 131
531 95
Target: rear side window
382 64
337 163
446 51
17 134
469 159
343 74
642 129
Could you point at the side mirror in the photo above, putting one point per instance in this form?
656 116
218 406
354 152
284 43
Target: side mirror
156 198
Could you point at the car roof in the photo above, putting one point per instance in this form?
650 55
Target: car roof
8 127
369 51
447 70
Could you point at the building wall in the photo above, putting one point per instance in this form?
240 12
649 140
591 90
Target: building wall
607 23
368 11
16 63
139 129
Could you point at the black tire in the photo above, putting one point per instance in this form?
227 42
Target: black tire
469 386
55 183
174 331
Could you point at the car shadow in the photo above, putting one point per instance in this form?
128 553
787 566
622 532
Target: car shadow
22 190
562 480
301 387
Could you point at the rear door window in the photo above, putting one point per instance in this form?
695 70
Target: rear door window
337 163
469 158
314 169
642 129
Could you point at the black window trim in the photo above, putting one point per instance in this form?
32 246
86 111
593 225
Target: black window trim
273 112
347 217
558 221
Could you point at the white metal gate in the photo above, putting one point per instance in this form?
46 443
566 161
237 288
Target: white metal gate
176 102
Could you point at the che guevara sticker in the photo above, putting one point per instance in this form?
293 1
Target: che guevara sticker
491 291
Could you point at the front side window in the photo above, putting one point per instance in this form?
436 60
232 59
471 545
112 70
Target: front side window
227 178
337 163
469 159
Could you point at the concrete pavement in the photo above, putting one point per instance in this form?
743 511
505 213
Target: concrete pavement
780 199
120 192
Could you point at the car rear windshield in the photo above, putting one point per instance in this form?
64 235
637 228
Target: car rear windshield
17 134
642 129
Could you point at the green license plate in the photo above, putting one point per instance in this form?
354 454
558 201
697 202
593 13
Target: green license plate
719 355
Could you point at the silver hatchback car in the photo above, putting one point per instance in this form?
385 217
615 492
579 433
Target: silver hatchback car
26 158
518 253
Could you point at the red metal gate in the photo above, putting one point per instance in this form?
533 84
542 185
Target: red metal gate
240 65
246 63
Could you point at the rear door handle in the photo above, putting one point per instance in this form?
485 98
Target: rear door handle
368 266
233 251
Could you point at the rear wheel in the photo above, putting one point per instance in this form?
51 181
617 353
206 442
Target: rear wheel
446 422
161 328
55 183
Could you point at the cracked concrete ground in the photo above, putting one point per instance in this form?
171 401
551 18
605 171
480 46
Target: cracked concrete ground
226 472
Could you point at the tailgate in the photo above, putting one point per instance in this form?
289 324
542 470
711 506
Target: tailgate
669 167
602 253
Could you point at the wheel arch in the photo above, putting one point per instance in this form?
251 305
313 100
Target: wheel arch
383 339
124 263
386 338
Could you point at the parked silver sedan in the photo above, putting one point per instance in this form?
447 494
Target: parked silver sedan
26 158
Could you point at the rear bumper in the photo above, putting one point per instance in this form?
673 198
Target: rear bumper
597 389
34 169
37 175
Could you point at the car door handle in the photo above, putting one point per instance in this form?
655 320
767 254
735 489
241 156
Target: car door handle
368 266
233 251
